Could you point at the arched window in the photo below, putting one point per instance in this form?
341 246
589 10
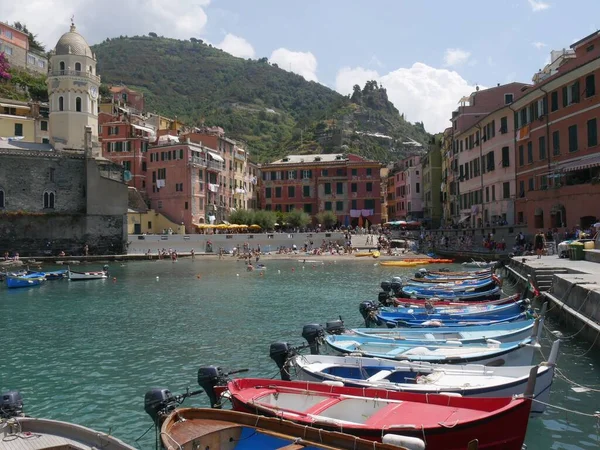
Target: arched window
78 67
62 66
78 104
91 70
1 198
48 200
61 103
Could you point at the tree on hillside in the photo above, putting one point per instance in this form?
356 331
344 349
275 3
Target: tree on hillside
4 67
34 44
356 95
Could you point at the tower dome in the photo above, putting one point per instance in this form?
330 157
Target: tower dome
72 43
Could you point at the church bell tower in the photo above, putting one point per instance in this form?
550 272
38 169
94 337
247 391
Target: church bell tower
73 91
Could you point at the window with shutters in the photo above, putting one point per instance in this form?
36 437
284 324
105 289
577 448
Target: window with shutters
327 187
590 85
268 192
354 204
493 192
339 188
521 156
506 190
573 144
327 206
575 92
592 133
291 174
554 101
370 187
369 203
278 192
542 147
339 206
522 188
504 125
505 157
306 191
308 208
530 152
532 184
353 187
307 174
491 163
555 143
291 191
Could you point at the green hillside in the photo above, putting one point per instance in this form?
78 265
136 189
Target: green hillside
274 111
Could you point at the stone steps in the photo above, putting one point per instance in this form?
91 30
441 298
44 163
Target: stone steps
544 277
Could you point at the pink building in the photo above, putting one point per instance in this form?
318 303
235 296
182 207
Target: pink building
406 201
184 180
473 129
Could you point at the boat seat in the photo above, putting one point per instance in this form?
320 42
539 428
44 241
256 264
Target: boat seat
379 375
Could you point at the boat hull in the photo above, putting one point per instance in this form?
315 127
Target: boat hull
82 276
500 425
465 380
23 282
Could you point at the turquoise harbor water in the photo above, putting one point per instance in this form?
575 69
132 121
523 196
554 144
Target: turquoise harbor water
86 352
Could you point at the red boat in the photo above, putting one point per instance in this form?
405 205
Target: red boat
441 422
438 303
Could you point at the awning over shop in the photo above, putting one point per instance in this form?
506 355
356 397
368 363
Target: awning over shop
10 105
216 157
464 219
582 163
146 129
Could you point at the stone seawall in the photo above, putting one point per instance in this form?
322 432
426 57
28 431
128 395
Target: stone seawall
49 234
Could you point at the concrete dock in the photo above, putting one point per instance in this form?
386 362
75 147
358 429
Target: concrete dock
572 287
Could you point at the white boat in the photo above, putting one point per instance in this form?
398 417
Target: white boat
469 380
80 276
479 264
26 433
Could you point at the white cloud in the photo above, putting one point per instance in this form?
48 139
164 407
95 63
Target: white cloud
538 5
456 57
421 92
302 63
346 78
538 45
175 18
237 46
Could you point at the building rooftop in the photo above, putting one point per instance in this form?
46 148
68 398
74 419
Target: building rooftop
72 43
12 144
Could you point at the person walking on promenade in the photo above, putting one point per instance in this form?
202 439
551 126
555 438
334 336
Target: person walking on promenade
540 243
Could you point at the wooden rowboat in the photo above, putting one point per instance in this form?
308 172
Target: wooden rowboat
443 422
200 428
80 276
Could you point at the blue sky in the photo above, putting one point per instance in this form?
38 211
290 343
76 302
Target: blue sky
426 53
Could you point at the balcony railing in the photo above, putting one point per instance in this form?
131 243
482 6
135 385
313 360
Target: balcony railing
75 73
198 162
214 165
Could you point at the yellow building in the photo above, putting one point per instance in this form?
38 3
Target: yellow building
16 120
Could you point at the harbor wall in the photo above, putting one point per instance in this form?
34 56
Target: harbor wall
49 234
573 296
268 242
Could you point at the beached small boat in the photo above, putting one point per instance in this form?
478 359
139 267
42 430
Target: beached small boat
490 292
398 264
363 254
27 433
80 276
24 281
469 380
479 264
200 428
407 302
442 422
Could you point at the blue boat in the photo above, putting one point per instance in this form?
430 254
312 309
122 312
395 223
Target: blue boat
454 313
519 353
450 284
24 281
455 295
502 331
56 275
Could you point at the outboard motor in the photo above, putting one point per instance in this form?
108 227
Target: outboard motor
396 285
386 286
367 310
280 352
313 333
11 405
419 275
156 401
208 378
444 269
384 298
334 326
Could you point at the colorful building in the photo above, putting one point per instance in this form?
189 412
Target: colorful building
126 143
448 185
405 189
184 181
17 121
478 143
15 45
383 174
557 150
133 100
432 179
347 185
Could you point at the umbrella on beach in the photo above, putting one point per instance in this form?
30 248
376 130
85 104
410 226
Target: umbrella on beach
255 226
